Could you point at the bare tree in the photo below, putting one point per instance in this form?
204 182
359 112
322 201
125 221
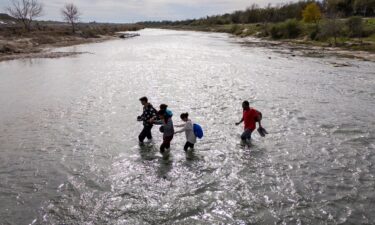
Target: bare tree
25 11
71 15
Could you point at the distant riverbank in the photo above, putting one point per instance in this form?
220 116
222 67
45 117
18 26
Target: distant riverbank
363 49
16 43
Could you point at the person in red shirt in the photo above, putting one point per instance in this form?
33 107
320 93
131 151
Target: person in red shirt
250 117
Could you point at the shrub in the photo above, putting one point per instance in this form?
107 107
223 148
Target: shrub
8 48
314 34
276 32
293 28
355 26
44 39
89 33
235 29
287 29
331 28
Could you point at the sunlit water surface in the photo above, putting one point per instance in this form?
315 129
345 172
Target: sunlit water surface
68 135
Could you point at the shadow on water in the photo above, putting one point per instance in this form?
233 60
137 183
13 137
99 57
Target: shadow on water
165 166
191 155
148 151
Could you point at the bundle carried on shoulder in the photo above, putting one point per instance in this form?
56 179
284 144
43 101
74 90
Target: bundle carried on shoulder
198 131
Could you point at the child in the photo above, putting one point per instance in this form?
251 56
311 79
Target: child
250 117
167 111
188 128
167 130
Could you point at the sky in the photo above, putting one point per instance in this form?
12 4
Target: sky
130 11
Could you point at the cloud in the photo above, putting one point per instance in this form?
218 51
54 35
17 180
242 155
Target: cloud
141 10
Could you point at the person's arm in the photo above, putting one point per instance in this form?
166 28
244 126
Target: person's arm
141 117
239 122
153 116
259 119
157 122
182 130
181 125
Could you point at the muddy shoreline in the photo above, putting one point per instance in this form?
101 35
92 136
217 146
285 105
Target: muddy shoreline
21 49
291 48
294 48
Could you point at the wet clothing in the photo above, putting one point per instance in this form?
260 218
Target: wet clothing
189 132
250 117
146 132
246 135
188 145
168 132
166 143
168 128
149 112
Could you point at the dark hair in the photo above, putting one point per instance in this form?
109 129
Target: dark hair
143 99
184 115
163 107
161 112
246 103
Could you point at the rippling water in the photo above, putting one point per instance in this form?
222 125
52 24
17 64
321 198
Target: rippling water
68 136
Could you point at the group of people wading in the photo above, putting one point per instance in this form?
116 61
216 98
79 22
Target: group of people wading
163 117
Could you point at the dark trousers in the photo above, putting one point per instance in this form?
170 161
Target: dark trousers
166 143
146 132
246 135
188 145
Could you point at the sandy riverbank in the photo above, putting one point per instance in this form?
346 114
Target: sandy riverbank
21 48
292 47
42 47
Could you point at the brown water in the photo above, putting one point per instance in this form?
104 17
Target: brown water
68 136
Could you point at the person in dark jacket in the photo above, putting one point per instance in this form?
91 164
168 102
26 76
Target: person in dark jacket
148 116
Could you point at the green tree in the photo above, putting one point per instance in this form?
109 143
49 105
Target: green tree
332 28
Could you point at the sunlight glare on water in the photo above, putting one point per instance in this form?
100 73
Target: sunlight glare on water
70 155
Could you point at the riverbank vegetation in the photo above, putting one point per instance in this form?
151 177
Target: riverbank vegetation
338 23
21 33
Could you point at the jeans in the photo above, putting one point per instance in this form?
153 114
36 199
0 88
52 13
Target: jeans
246 135
146 132
166 143
188 145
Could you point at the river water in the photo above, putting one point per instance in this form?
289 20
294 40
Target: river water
68 135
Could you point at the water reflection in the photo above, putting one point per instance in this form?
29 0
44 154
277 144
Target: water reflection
69 152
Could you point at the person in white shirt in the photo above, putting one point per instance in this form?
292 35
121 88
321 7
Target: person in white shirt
188 128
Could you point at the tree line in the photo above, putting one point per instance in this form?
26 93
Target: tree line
26 11
280 13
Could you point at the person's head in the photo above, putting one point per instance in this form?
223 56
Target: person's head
184 116
161 114
163 107
245 105
144 100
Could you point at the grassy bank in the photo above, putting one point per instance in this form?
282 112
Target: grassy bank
14 40
294 31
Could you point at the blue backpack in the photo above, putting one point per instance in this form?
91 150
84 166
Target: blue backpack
198 131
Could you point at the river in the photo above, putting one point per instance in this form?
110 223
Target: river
68 135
